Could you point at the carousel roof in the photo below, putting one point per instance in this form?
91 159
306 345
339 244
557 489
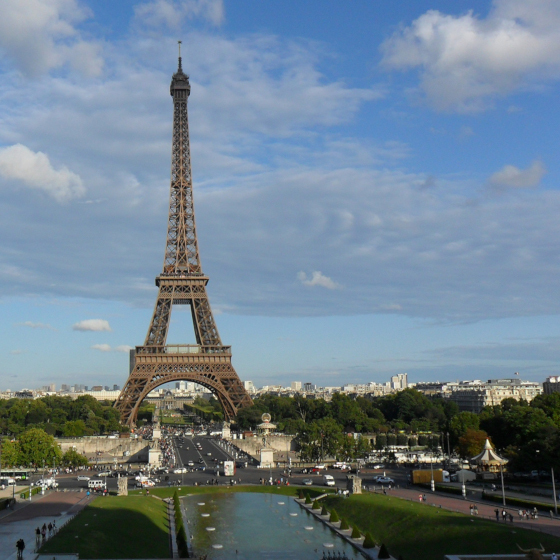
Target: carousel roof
488 456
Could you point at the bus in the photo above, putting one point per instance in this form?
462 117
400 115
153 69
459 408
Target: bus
18 474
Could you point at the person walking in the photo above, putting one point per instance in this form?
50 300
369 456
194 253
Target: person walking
504 515
44 532
497 512
37 537
20 545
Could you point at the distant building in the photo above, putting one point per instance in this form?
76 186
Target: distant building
249 387
473 396
308 387
295 385
551 385
399 382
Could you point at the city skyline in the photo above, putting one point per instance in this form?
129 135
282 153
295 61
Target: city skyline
376 186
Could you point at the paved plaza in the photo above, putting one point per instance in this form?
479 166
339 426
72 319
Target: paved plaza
21 521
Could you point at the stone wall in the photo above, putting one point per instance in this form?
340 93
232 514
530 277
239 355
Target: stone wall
133 450
253 445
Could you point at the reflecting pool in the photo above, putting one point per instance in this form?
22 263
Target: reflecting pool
242 526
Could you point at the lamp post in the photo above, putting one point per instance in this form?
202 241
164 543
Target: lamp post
432 483
503 489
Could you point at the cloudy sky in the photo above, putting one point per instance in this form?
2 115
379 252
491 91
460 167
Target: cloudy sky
376 185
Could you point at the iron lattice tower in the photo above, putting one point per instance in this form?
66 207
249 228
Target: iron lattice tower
182 282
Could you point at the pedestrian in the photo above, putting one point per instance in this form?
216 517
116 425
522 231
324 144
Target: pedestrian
504 515
420 497
424 497
497 512
54 526
510 517
471 507
44 532
37 536
553 556
20 545
475 509
50 530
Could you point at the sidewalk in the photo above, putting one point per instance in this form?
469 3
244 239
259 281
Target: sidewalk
21 522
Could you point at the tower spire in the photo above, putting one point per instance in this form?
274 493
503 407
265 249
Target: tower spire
180 69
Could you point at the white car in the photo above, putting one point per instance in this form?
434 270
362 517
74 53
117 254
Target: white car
190 463
384 480
83 477
179 471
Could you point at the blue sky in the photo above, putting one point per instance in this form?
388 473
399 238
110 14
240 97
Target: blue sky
376 185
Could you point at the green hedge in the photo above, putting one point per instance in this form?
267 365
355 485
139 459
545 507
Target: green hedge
180 527
356 533
440 488
368 542
492 497
334 517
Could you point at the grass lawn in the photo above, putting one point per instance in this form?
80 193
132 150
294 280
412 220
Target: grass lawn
421 532
116 527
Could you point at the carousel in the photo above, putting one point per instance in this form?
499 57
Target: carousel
488 460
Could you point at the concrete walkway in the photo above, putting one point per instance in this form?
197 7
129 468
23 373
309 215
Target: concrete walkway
21 521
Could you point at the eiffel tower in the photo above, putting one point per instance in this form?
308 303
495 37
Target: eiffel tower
182 282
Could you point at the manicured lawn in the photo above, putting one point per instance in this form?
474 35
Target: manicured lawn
116 527
422 532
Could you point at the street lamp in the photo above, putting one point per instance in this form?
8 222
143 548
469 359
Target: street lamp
503 489
432 483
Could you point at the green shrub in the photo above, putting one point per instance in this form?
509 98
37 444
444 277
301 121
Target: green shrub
324 511
334 517
316 505
344 525
300 495
355 533
307 499
383 552
368 541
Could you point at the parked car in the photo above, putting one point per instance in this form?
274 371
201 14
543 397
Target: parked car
307 482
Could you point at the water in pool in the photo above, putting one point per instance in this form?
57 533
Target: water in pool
245 526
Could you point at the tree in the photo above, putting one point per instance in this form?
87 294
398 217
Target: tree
10 453
37 448
461 423
74 428
74 459
472 442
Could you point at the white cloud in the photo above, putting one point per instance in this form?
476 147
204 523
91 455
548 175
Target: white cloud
511 176
124 348
172 13
32 325
95 325
34 170
16 352
317 279
101 347
465 61
39 35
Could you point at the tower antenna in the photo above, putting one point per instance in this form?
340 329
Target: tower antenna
179 45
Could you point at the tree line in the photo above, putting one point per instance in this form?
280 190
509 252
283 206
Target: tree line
59 416
527 434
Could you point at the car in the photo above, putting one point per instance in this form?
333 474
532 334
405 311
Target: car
384 480
104 473
209 454
307 482
180 470
83 477
377 466
190 463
